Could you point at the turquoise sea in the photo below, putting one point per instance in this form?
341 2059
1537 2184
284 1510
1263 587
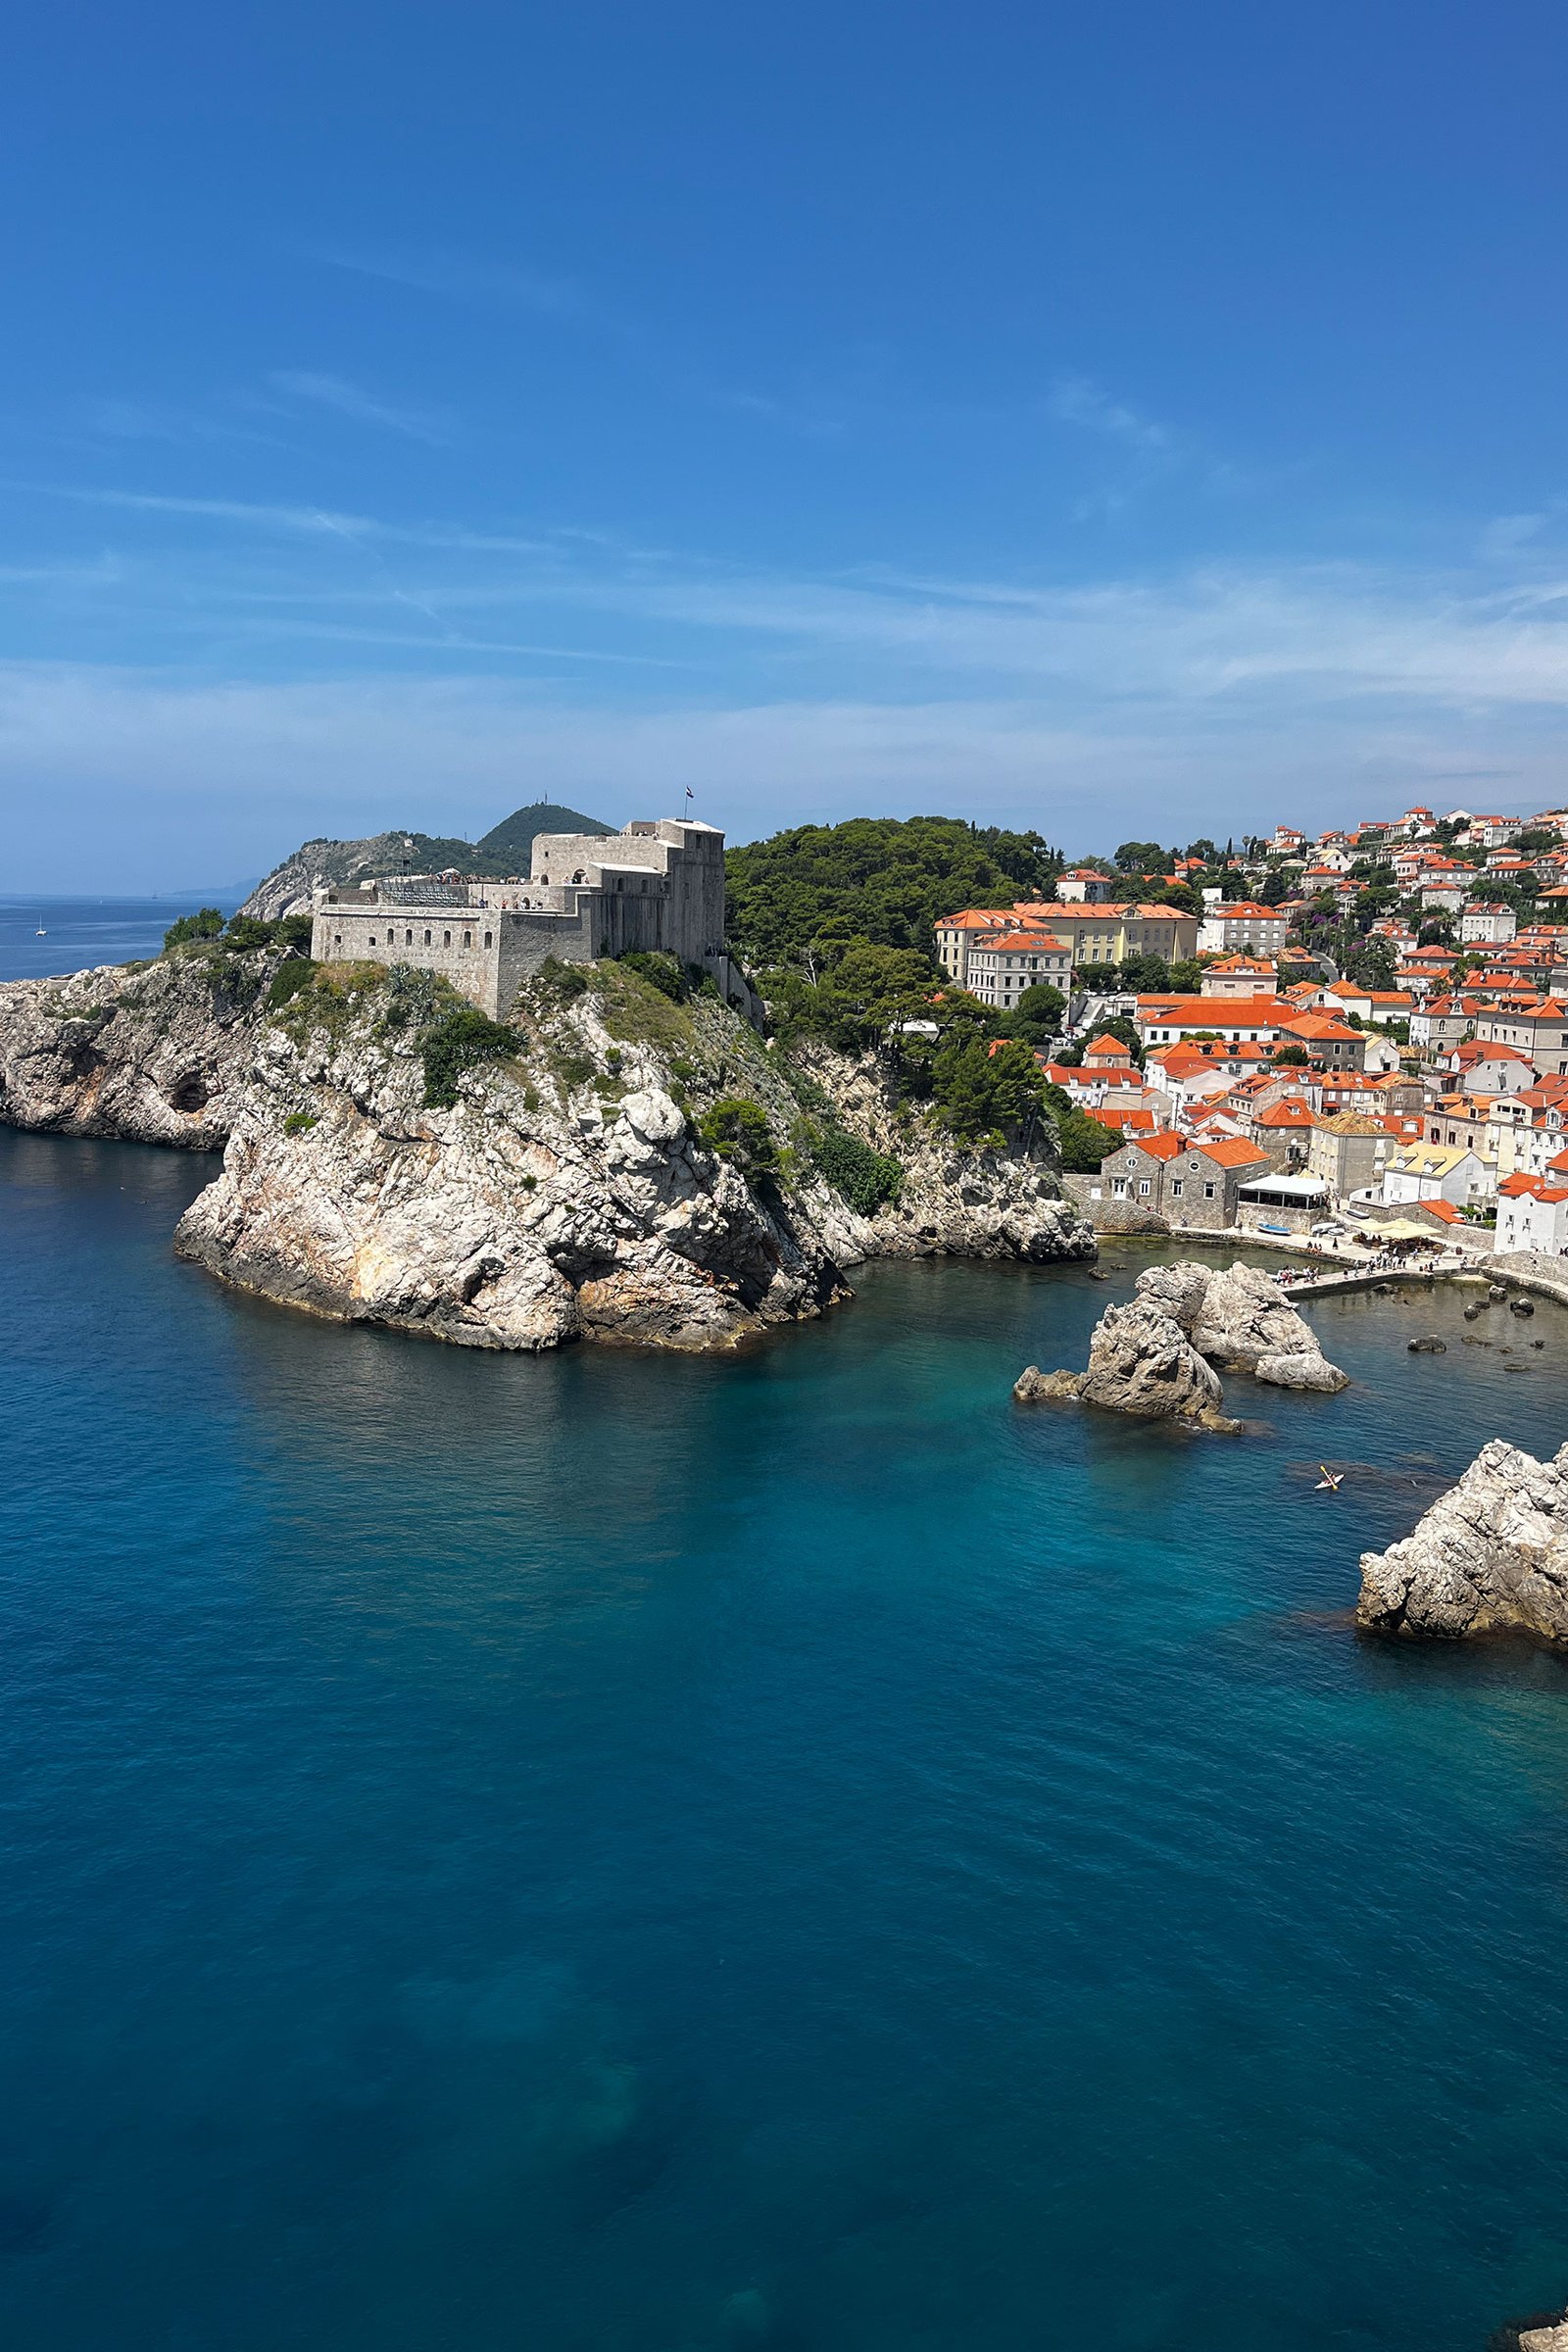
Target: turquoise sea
616 1854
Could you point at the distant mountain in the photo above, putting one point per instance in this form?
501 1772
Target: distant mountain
505 850
513 837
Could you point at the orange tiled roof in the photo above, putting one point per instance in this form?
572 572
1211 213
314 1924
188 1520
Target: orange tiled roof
1232 1152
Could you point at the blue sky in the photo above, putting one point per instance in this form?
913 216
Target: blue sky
1134 421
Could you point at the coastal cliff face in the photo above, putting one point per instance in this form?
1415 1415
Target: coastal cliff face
568 1190
560 1196
1489 1556
157 1052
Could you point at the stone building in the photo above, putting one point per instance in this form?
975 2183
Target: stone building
1348 1150
658 885
1201 1183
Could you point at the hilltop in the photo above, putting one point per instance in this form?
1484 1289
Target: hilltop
505 850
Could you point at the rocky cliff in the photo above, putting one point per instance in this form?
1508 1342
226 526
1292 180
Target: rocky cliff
157 1052
1490 1555
577 1175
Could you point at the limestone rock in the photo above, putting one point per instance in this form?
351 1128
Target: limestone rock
1178 1290
1139 1362
1490 1555
1301 1368
154 1053
1237 1319
1034 1387
1551 2338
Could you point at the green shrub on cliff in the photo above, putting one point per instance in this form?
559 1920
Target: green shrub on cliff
287 981
667 973
462 1039
737 1130
866 1179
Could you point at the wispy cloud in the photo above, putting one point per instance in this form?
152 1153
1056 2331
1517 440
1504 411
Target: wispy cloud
343 399
316 521
458 277
1074 400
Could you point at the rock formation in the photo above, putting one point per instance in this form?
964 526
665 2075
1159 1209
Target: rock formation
1141 1362
1491 1555
564 1188
1239 1320
1155 1356
156 1053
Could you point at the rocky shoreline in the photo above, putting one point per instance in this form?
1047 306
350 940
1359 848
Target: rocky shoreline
567 1187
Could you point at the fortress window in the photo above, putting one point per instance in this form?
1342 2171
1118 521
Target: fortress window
446 939
487 939
468 939
408 938
337 939
427 939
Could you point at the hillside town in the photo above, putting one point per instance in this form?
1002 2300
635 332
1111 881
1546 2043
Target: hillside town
1357 1040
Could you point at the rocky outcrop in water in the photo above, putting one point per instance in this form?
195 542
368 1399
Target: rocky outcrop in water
1155 1357
1489 1556
1236 1317
1139 1362
156 1053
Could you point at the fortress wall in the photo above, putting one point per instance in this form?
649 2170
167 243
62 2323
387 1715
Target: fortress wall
659 887
529 939
449 940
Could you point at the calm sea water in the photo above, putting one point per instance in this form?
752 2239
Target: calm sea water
610 1854
79 933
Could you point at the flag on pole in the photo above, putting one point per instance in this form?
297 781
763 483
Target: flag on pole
688 791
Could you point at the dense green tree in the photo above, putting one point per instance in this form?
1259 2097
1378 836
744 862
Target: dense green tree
1037 1016
1372 965
737 1130
857 1001
206 923
881 879
982 1090
462 1039
1140 858
1148 975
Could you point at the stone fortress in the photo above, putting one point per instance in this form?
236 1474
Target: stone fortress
658 885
